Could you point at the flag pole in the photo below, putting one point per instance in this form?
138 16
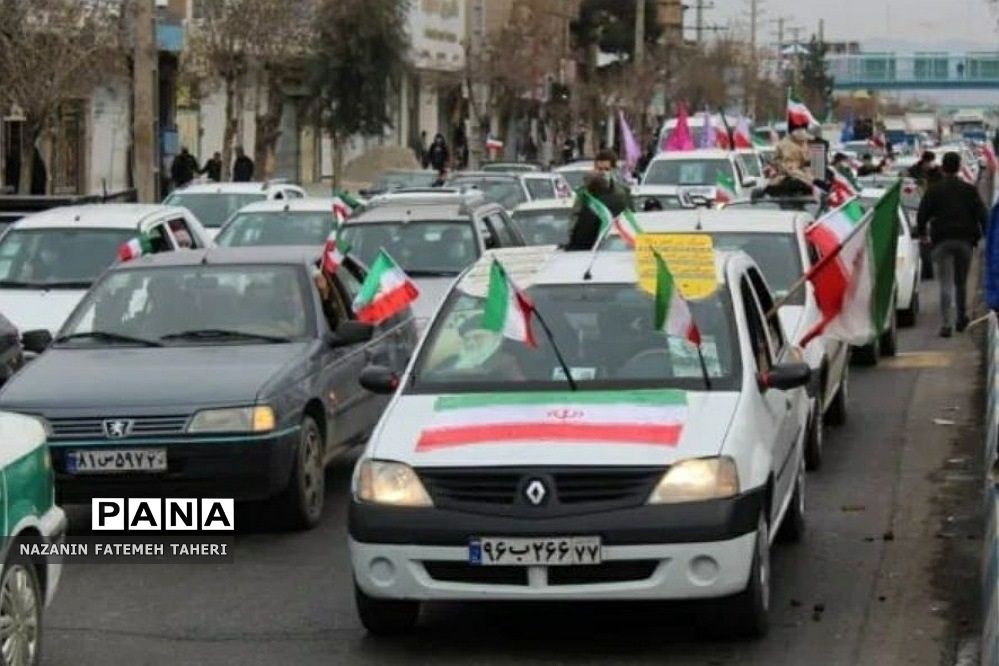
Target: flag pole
704 368
558 354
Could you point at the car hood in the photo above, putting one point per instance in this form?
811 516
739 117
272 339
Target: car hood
414 428
123 377
31 309
433 290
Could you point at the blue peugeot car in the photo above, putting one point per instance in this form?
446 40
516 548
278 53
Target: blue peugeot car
226 372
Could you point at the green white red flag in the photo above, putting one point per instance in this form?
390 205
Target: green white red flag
334 251
725 189
508 310
385 292
673 313
135 248
798 114
649 418
625 222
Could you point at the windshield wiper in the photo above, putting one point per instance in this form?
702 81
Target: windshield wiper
221 333
108 336
431 273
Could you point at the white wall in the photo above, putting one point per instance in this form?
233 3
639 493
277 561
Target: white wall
109 131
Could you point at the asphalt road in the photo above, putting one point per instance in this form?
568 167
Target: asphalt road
886 574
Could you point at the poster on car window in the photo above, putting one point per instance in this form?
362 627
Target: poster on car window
690 257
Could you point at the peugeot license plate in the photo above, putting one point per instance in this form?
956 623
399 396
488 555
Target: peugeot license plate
109 461
543 551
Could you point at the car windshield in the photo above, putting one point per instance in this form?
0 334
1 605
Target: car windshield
541 188
664 201
221 304
810 206
277 228
575 177
392 180
604 332
213 208
40 257
507 192
750 165
425 247
544 227
687 172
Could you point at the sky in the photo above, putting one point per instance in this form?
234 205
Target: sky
898 24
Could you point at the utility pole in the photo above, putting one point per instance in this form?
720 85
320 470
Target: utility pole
754 9
700 20
640 57
144 74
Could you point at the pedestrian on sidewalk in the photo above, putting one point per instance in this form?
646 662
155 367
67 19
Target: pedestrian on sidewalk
183 168
242 168
439 156
213 168
951 220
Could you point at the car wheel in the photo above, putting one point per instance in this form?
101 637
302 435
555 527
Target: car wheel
21 605
792 528
814 437
889 339
867 355
301 503
749 612
836 414
385 617
907 317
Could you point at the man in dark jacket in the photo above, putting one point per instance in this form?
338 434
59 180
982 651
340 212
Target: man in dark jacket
438 155
602 185
242 168
213 168
921 169
183 168
951 219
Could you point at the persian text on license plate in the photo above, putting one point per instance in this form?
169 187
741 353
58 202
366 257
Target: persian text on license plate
544 551
116 460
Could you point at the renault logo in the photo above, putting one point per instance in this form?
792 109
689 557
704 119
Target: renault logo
535 492
117 428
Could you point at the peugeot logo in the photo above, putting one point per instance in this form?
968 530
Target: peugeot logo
535 492
117 428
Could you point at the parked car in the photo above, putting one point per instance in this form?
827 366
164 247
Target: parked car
277 222
220 373
489 478
214 203
50 259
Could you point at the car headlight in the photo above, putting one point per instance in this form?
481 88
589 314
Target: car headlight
234 419
697 479
393 483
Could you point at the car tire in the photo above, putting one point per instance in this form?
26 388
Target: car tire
385 617
749 611
908 316
21 604
814 438
836 413
888 342
300 505
868 355
792 528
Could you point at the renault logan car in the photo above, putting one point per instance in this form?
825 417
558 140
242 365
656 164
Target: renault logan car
490 478
210 373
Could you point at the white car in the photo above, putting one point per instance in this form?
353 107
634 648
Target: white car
908 265
752 165
489 478
49 260
546 185
544 222
776 241
277 222
695 172
575 172
214 203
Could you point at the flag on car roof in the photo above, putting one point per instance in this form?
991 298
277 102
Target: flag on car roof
673 314
385 292
624 223
725 189
854 280
680 138
134 248
709 137
629 144
350 200
508 310
798 114
743 135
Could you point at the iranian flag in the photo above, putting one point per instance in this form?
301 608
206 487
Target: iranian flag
645 418
798 114
743 135
842 189
672 311
627 227
386 290
724 189
855 279
625 223
334 251
134 248
508 311
343 206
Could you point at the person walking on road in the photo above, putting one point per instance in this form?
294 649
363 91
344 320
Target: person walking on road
951 218
920 170
213 168
601 184
183 168
242 168
438 155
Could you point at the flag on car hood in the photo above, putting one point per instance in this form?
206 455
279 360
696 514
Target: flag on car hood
386 290
672 311
508 311
651 418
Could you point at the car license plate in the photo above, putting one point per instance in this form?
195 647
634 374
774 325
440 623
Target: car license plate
116 460
543 551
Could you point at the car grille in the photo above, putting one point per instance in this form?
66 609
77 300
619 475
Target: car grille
93 427
568 490
618 571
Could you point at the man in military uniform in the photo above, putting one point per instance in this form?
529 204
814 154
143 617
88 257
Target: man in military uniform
792 163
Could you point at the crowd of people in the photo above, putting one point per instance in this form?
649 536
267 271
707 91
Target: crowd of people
184 168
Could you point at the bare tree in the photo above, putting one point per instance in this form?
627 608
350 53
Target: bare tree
52 51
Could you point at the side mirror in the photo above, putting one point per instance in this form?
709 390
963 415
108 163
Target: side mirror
379 379
351 333
36 341
786 376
